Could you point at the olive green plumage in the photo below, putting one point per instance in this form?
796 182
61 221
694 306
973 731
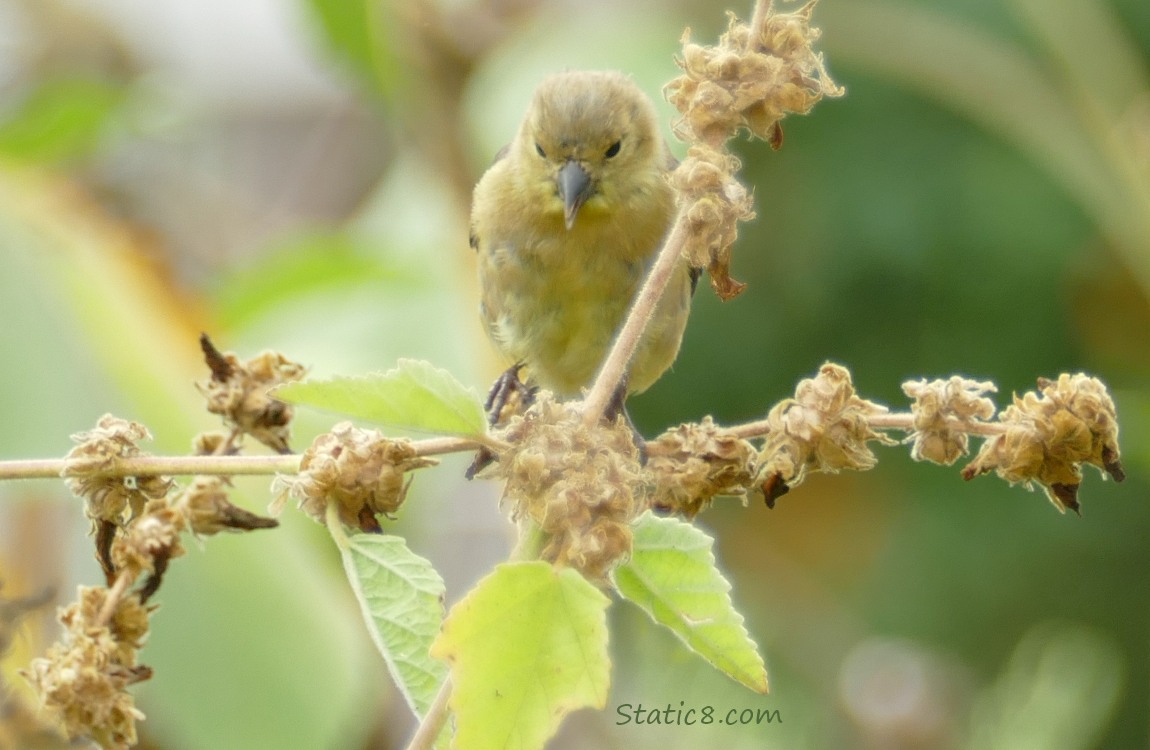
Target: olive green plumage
566 223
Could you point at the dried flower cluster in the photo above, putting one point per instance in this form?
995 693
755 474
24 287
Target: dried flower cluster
238 391
83 679
945 412
824 427
106 497
1050 434
358 471
82 682
580 484
1043 438
693 463
750 80
713 202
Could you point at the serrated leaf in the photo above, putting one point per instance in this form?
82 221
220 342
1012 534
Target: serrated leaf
527 646
401 596
672 577
415 394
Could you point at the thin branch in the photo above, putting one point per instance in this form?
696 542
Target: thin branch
758 18
112 600
144 466
434 720
905 422
619 359
902 421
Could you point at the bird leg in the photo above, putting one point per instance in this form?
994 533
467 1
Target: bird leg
618 406
507 391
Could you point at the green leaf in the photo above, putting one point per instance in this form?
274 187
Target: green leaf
304 264
358 32
415 394
60 120
401 596
672 577
527 646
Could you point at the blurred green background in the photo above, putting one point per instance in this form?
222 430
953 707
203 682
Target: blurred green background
295 174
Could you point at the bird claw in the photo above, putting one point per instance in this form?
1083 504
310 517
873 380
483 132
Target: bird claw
617 407
507 391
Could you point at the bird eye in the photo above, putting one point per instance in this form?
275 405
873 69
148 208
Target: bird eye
613 149
539 150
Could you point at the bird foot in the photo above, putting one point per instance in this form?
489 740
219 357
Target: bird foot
617 407
508 395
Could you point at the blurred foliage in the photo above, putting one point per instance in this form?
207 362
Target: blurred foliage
977 203
61 119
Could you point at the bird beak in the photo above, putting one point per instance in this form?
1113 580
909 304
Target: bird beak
574 189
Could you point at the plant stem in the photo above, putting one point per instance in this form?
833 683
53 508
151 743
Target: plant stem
144 466
334 527
432 724
758 20
619 359
903 421
531 541
115 594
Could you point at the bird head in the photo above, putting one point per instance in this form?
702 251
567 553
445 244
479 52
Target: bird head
589 140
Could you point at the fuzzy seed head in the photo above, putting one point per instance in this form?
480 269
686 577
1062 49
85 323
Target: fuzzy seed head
823 428
108 499
713 202
359 471
580 484
693 463
751 80
150 541
944 411
238 392
82 681
1050 434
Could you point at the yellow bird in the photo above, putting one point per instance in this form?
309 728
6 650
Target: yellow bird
566 223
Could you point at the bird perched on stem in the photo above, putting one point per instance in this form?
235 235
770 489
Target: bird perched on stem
566 223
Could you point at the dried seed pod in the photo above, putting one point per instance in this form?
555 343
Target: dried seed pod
82 681
238 392
944 412
1050 434
693 463
825 427
580 484
751 79
359 471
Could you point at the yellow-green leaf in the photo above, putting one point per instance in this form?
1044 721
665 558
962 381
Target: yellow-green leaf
401 596
526 647
415 395
672 577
